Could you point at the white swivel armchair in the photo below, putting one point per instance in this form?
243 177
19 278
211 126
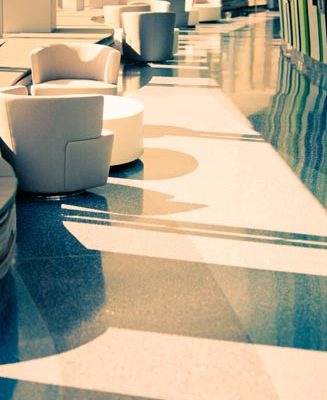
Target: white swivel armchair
148 36
54 143
74 68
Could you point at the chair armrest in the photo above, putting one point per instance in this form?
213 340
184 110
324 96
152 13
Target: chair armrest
112 67
39 63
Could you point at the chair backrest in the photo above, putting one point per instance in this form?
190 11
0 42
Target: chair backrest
75 61
30 126
150 36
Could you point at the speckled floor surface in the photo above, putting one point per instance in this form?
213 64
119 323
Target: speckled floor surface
198 271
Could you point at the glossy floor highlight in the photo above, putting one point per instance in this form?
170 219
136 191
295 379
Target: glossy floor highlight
195 272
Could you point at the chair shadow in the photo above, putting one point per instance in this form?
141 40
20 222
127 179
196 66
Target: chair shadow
22 390
129 200
136 208
52 297
156 131
59 293
157 163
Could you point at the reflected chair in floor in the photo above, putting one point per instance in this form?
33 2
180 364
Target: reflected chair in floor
148 36
54 143
74 68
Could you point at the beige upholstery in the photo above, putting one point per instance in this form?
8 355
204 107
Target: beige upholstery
148 36
69 68
113 13
55 144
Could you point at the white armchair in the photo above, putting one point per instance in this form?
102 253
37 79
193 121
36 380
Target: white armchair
74 68
148 36
55 144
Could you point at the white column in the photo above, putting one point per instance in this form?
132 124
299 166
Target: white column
29 16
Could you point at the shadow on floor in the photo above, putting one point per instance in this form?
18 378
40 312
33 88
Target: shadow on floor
12 389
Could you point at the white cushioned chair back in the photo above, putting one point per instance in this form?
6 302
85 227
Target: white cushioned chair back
149 36
37 124
75 61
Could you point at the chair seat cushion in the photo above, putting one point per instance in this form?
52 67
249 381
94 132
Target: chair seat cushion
72 86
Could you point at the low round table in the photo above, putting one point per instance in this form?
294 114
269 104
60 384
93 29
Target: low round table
124 116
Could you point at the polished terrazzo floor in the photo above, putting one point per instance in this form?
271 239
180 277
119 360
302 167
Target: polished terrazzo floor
198 271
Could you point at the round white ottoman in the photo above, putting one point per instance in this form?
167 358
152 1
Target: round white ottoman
124 116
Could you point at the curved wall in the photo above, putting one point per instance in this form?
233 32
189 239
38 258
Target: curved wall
303 26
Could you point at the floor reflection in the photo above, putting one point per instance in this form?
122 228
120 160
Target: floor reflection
56 291
129 200
131 257
21 390
155 131
217 302
295 124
